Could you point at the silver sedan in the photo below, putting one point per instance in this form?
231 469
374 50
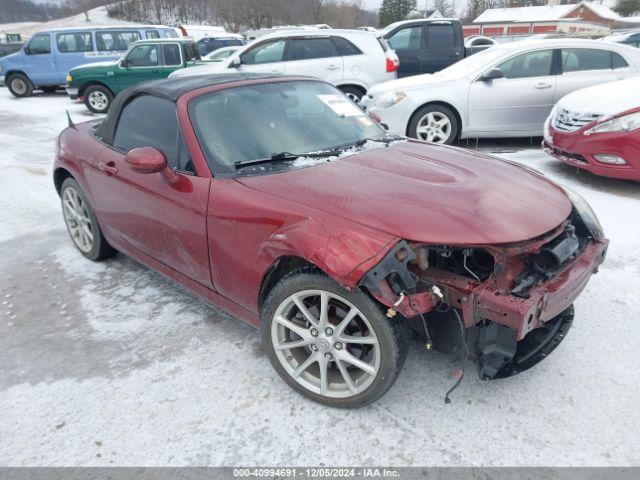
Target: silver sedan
505 91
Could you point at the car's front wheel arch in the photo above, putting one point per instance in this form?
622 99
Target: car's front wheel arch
279 269
93 83
353 91
447 105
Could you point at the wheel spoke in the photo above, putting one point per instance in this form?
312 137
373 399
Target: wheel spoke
294 344
304 365
347 357
69 207
301 331
347 378
324 310
87 232
351 314
304 310
353 340
324 375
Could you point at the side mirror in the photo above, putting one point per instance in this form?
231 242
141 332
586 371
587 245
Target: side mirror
492 74
124 63
235 63
146 160
26 50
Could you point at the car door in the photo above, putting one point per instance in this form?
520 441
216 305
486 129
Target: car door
73 49
40 63
408 45
314 56
141 63
152 216
520 101
172 58
584 67
443 46
266 57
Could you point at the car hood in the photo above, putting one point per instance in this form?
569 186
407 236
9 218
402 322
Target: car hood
415 82
17 58
203 69
95 66
605 99
427 193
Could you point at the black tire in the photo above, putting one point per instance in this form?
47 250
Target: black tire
439 110
19 85
354 93
392 337
100 248
99 92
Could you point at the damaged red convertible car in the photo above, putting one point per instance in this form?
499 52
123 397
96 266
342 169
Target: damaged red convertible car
278 200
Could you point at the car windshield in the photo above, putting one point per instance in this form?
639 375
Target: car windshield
250 123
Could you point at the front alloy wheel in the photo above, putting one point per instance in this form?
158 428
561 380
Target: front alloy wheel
98 99
434 124
330 344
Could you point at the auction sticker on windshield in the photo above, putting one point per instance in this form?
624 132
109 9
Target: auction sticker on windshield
341 105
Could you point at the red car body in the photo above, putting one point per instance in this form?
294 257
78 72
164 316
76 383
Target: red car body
227 239
577 149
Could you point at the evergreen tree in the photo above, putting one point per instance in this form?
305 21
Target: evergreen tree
627 8
395 10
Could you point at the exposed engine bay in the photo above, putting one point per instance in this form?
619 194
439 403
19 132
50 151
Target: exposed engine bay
514 302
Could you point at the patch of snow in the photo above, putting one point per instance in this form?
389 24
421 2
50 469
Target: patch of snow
110 364
542 13
97 18
524 14
606 99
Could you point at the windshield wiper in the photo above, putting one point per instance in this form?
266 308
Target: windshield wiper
332 152
276 157
387 139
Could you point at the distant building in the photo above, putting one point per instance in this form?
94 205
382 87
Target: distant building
583 18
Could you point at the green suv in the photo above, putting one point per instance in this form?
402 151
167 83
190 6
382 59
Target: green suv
98 83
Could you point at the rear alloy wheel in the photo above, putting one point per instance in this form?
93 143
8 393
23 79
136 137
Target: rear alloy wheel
81 222
434 124
19 85
332 345
98 99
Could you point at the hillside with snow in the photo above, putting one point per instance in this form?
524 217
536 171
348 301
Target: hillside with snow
97 17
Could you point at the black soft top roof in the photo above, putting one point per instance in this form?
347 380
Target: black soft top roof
170 89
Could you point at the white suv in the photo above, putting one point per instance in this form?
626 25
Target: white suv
352 60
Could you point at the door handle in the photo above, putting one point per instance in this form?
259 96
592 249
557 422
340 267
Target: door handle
109 168
542 86
333 67
155 71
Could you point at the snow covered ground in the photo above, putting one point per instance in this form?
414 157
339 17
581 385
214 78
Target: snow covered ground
110 364
97 17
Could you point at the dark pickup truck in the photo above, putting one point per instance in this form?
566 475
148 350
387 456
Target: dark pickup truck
427 45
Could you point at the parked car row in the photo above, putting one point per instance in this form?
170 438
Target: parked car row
507 90
44 62
510 90
352 60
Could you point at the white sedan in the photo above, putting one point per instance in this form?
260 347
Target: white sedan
507 90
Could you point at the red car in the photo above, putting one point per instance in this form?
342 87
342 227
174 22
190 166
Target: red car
598 129
278 200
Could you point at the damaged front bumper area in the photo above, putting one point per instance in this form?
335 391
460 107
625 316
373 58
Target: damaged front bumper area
514 301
